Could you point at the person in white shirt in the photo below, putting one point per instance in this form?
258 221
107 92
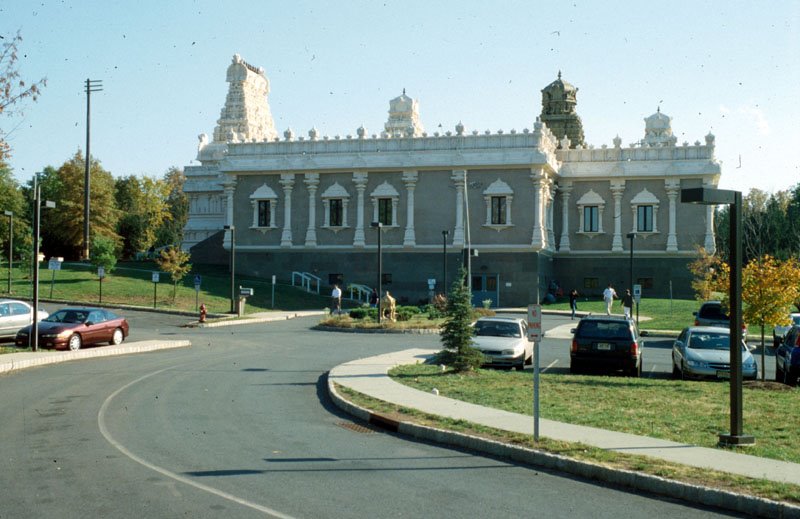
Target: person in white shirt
336 296
608 296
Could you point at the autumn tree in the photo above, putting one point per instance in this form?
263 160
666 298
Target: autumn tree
707 270
142 202
14 91
13 199
171 230
175 262
769 288
62 228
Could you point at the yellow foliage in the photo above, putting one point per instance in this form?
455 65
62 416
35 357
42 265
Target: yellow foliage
769 288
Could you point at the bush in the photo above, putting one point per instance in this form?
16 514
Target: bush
364 313
405 313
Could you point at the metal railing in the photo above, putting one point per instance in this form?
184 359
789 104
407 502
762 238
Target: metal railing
360 293
306 281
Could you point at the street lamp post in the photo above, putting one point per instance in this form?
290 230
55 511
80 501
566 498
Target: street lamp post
232 265
379 226
92 85
631 236
37 204
445 234
713 196
10 215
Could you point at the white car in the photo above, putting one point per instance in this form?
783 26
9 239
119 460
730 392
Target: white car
504 341
779 332
705 352
15 315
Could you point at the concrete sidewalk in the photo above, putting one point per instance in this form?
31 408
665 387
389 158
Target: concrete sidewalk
369 376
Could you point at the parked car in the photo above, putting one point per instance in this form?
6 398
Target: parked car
72 328
779 332
15 315
504 342
711 313
705 352
787 357
608 343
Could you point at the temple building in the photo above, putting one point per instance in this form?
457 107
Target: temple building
538 207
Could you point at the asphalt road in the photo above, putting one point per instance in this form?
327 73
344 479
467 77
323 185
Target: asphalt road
240 425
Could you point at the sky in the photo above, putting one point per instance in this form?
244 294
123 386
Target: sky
731 68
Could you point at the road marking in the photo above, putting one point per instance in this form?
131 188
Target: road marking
550 365
101 422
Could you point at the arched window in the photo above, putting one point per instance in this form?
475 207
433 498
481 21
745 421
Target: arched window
498 197
384 205
263 201
645 212
334 201
590 213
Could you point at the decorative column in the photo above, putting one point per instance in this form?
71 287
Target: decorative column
617 188
360 181
539 178
551 197
458 178
566 189
229 188
311 180
410 180
287 181
673 187
710 244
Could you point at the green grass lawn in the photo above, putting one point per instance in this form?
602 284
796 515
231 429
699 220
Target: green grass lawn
131 284
676 410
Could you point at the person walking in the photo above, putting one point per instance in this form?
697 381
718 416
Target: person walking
573 301
608 296
336 297
627 303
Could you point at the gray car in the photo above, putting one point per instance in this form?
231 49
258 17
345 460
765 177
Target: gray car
704 352
779 332
15 315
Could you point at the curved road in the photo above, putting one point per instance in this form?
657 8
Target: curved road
240 425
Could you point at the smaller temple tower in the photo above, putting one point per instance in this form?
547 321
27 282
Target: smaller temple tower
658 130
404 117
559 100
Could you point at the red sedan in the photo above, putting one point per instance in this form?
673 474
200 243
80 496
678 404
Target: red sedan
72 328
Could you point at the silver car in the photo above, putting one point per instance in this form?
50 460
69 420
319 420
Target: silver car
704 352
15 315
779 332
504 341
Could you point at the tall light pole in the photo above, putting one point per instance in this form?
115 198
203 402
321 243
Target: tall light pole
379 226
37 204
445 234
10 215
631 236
232 264
92 85
469 241
713 196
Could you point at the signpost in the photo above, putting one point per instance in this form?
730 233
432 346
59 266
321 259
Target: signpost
273 291
54 264
637 296
197 280
155 288
101 273
535 335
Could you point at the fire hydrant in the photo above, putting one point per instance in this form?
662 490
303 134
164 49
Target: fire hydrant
203 313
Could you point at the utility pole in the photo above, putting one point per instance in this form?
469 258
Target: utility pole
92 85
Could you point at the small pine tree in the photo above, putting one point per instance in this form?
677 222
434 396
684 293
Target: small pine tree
457 329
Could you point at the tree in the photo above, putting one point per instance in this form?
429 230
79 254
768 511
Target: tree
13 90
706 270
769 287
457 329
174 261
103 253
62 228
13 199
143 206
171 230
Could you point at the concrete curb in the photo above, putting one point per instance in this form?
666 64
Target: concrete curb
412 331
233 321
30 359
708 496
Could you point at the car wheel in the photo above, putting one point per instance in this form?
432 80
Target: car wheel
636 371
574 367
790 377
778 373
520 367
117 337
75 342
682 373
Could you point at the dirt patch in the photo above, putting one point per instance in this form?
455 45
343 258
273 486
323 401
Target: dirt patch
767 385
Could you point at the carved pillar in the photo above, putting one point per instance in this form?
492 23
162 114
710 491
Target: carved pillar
458 179
287 181
539 178
673 187
566 189
551 197
709 244
617 188
410 180
229 188
311 180
360 181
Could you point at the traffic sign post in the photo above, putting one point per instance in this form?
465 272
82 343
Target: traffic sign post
155 288
197 280
637 296
535 335
273 291
101 273
54 264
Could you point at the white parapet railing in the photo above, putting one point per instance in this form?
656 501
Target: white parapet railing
307 281
360 293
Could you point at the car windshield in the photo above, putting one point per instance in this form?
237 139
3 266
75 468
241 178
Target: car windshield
710 341
495 329
604 330
796 320
712 312
67 316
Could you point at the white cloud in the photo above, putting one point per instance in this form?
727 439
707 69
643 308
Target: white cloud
756 116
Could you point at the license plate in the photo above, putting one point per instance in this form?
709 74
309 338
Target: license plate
723 374
603 346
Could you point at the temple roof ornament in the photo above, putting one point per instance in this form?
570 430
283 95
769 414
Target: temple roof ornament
404 117
246 115
559 102
658 130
